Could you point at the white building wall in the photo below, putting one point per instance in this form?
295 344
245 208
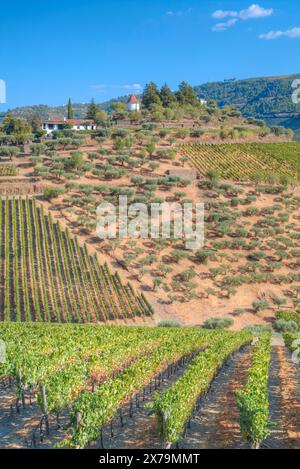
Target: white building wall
133 107
74 127
52 129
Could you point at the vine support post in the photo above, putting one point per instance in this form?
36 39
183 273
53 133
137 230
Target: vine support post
78 419
20 388
121 418
131 408
44 399
255 445
33 440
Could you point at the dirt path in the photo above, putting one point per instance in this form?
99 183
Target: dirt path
216 424
284 401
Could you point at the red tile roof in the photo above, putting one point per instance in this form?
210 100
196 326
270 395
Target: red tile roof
132 99
56 120
79 121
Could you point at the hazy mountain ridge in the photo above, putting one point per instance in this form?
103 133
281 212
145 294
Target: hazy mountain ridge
44 111
268 98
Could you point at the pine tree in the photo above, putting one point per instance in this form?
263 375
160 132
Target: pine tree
150 95
70 110
186 94
166 96
92 110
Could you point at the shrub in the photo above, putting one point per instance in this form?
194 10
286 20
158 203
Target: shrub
203 255
214 177
168 323
257 329
289 315
52 192
260 304
76 160
9 151
218 323
196 133
289 339
281 325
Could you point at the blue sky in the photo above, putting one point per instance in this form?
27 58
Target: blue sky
107 48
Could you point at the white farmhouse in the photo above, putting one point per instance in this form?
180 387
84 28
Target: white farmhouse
133 103
57 123
203 102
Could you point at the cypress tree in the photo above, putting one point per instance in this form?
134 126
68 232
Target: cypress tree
70 110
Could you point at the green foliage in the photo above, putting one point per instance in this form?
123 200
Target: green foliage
52 193
54 278
204 255
38 149
12 125
218 323
166 96
186 94
259 305
9 151
169 323
92 110
98 408
70 110
8 170
258 97
281 325
289 315
290 338
76 160
175 406
253 402
275 163
258 329
150 95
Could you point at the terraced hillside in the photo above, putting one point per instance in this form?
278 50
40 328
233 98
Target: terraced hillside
45 275
269 162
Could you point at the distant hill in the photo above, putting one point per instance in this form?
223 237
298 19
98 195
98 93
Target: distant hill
44 111
267 98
